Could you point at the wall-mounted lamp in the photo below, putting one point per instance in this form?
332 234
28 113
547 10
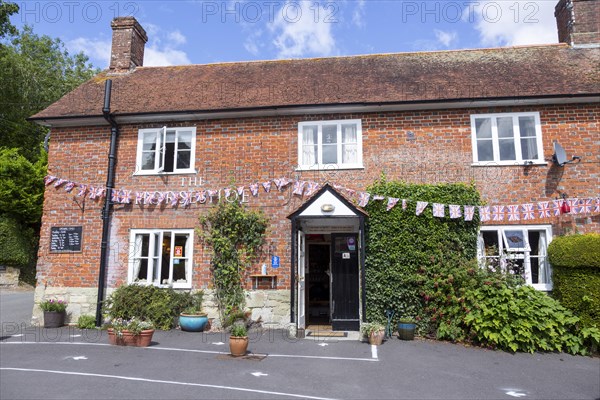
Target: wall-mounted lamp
327 207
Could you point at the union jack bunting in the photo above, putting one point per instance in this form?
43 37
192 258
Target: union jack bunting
125 197
363 199
469 213
82 190
240 191
528 212
556 207
439 210
392 201
115 196
454 211
200 197
350 192
298 188
498 213
59 182
421 207
139 198
281 183
586 206
174 199
159 197
49 179
404 204
597 205
92 192
186 198
574 203
484 213
312 188
513 213
378 197
213 193
544 209
69 186
267 186
254 189
226 192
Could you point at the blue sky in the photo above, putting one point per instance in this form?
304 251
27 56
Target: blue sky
200 32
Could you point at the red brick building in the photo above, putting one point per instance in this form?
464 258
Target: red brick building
273 133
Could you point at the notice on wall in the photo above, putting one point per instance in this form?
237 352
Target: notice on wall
65 239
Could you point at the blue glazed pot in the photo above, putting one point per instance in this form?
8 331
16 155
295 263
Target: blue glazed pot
193 322
406 330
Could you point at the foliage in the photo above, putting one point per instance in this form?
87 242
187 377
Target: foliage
7 8
524 319
160 305
576 275
21 187
400 243
16 242
53 305
575 251
371 327
239 331
196 304
86 322
236 236
35 71
133 325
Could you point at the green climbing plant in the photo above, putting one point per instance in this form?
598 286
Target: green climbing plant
236 235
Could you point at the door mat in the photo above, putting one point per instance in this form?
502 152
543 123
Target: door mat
326 334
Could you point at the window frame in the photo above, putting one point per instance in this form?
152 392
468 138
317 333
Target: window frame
159 156
519 160
134 254
521 253
339 166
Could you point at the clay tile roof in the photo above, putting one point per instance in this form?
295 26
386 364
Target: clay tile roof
526 71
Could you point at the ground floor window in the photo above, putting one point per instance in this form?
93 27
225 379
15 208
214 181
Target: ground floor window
161 257
523 246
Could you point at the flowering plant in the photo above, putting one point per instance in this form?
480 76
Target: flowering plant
133 325
54 305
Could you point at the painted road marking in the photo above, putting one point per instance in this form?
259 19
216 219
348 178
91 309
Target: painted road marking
373 351
218 343
76 358
130 378
515 394
200 351
322 344
257 374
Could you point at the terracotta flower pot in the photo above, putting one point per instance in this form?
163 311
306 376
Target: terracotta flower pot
238 345
54 319
376 338
127 338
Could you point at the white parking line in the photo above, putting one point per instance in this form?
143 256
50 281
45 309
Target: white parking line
201 351
130 378
373 351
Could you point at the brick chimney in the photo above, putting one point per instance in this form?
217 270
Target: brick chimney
578 22
128 42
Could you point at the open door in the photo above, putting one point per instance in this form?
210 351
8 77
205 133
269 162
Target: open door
344 282
301 280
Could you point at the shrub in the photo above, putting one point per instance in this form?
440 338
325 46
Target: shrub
86 322
53 305
159 305
400 244
576 275
239 331
524 319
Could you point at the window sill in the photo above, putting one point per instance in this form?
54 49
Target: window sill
542 287
155 173
329 168
509 163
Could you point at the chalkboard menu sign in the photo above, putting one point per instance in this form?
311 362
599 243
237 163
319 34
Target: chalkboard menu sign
65 238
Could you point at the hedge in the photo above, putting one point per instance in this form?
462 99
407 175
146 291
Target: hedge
575 261
400 243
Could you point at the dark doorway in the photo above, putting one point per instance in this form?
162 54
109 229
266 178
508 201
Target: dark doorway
345 293
319 310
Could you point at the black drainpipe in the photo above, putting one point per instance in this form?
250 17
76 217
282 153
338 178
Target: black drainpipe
106 211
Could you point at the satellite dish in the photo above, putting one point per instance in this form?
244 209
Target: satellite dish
560 156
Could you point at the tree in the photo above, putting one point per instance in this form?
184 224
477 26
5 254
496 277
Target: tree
35 71
6 10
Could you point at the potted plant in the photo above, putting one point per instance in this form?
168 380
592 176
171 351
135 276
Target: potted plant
406 329
238 340
192 318
374 331
131 332
54 313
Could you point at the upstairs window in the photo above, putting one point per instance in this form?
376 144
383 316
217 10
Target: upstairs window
166 150
330 144
507 139
522 246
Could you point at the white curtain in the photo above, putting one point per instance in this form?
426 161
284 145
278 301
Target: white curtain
544 273
349 140
137 262
308 146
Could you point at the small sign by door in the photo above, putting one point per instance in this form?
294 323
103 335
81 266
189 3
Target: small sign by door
345 256
178 251
275 262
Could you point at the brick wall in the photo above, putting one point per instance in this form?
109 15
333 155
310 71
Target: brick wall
437 149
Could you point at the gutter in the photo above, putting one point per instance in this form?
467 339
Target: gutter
108 205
